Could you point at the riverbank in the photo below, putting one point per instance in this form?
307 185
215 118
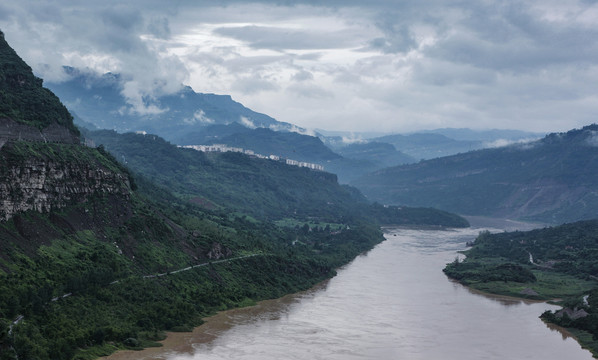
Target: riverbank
548 264
184 343
391 302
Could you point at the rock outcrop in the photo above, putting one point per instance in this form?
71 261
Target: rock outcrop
42 185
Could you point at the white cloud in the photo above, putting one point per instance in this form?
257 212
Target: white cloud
199 117
506 142
292 128
353 140
247 122
340 65
592 140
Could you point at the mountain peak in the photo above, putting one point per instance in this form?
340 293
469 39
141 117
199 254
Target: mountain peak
26 106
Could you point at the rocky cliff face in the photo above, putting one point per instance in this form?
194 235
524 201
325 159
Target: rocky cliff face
43 185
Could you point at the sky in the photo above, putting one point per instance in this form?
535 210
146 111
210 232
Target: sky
383 66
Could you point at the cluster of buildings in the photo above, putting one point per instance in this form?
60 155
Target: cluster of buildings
225 148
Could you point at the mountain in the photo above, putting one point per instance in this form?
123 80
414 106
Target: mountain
261 188
430 144
28 110
95 257
99 100
551 180
362 158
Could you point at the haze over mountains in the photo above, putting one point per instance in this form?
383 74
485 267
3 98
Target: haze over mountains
190 118
99 100
504 173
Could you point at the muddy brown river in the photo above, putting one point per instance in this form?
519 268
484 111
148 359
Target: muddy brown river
392 303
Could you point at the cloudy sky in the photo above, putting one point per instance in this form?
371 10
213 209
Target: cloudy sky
339 65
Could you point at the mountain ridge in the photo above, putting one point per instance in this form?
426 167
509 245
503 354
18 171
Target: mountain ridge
551 179
99 100
28 110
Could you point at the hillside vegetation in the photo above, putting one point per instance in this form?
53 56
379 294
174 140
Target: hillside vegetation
263 189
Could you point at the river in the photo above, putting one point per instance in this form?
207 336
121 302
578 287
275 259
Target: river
393 302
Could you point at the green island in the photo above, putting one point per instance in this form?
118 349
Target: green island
556 263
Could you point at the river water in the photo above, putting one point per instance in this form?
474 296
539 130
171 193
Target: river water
393 302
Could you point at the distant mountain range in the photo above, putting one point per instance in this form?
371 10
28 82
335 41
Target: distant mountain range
429 145
98 99
551 180
190 118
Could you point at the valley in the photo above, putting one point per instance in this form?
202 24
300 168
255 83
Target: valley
115 229
103 248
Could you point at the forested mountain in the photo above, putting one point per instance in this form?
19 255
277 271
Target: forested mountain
259 187
551 180
94 258
262 188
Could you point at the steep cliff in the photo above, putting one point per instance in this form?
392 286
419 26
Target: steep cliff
42 165
51 176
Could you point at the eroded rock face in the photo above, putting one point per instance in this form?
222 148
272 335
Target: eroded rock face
43 185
